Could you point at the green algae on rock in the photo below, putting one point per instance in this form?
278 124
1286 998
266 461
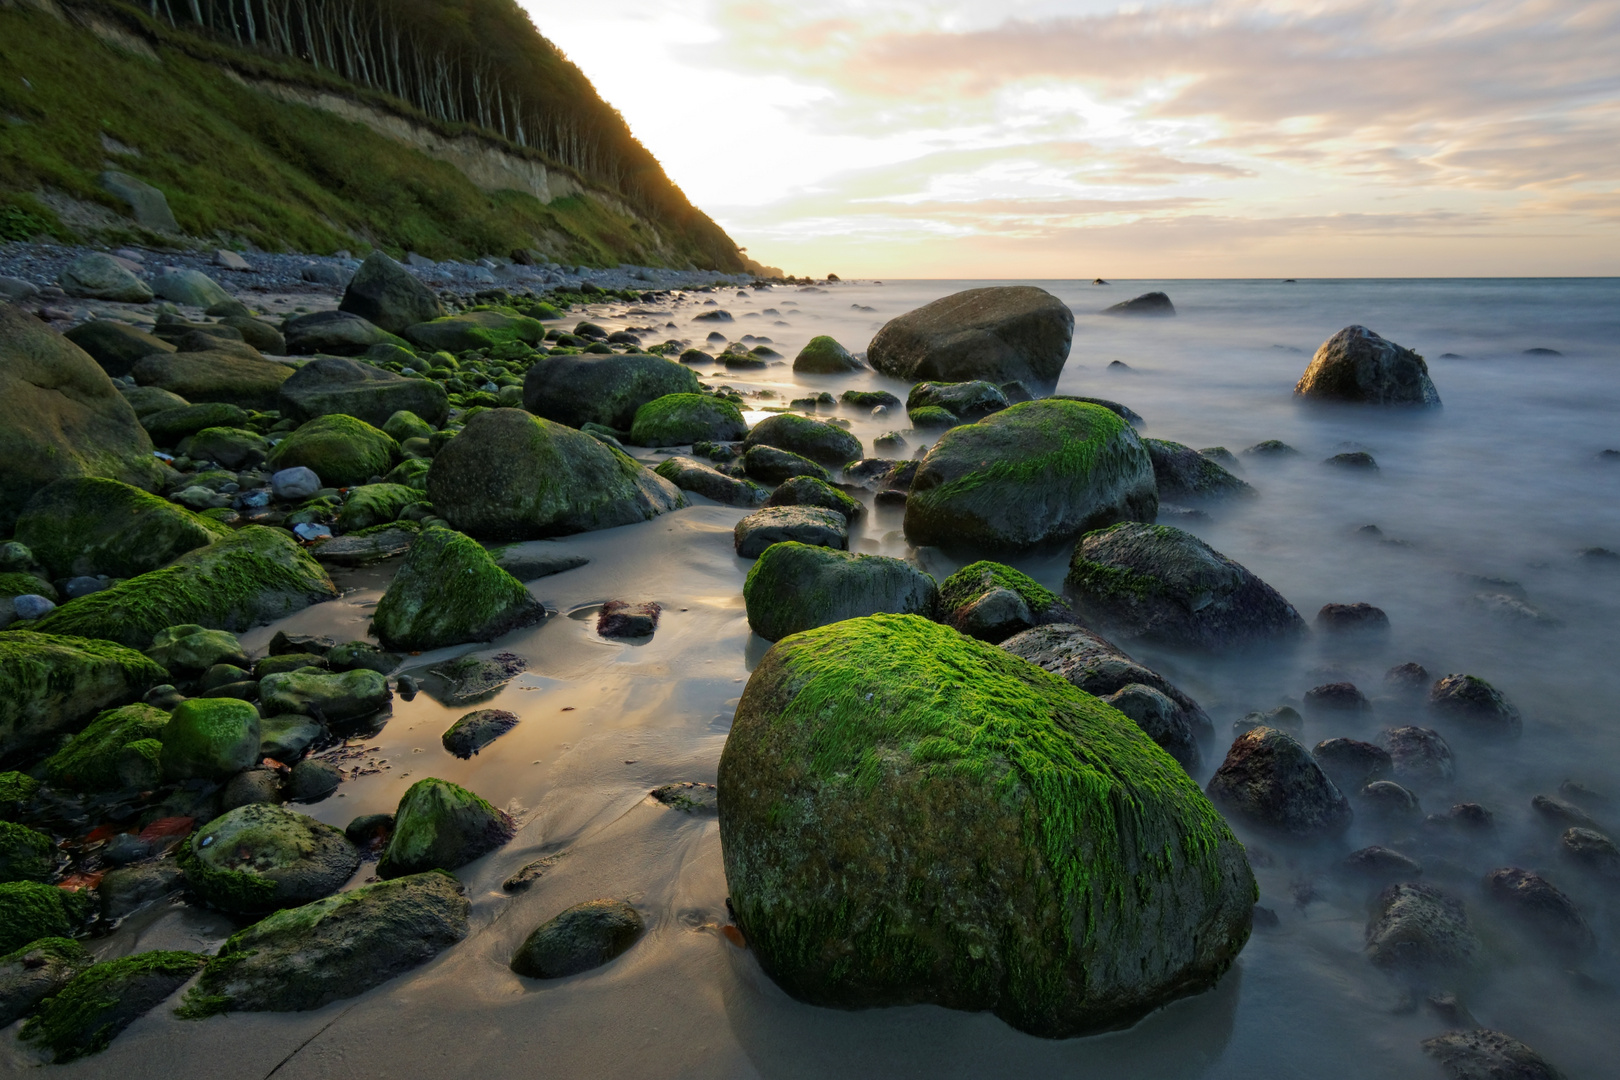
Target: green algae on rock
30 911
89 525
512 476
51 684
1036 472
449 591
694 476
36 971
330 697
475 330
808 491
821 442
342 450
17 794
252 576
968 400
908 815
992 602
25 854
780 524
681 419
237 376
795 587
304 957
191 648
104 999
260 858
585 936
823 355
371 505
440 826
1185 473
210 738
1157 583
98 758
606 390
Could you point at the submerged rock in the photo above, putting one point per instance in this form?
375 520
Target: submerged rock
1184 473
1357 365
965 401
821 442
1475 705
1271 780
104 999
585 936
849 737
627 619
799 524
1337 697
694 476
89 525
1592 852
794 587
822 355
1351 618
1352 764
1418 927
1151 303
1540 906
51 685
1418 754
259 858
471 678
1487 1055
440 826
607 390
1001 333
808 491
1037 472
450 591
476 730
1160 584
992 602
774 466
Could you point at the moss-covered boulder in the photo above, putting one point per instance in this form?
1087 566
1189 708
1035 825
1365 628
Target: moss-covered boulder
17 794
169 426
585 936
51 685
104 999
361 656
511 476
440 826
252 576
375 504
780 524
36 971
330 697
260 858
389 295
680 419
87 525
775 466
794 587
967 401
232 448
341 450
808 491
30 911
1157 583
449 591
189 648
475 330
1183 473
304 957
1034 473
821 442
908 815
236 376
329 386
116 346
694 476
823 355
210 738
992 602
60 416
25 854
100 757
405 424
585 389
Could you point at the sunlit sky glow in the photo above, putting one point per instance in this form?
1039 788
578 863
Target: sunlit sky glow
1078 138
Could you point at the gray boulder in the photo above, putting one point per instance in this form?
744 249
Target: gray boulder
389 296
1002 333
330 385
339 333
803 524
967 401
191 287
1270 780
821 442
775 466
1357 365
98 276
1419 928
148 205
1483 1054
588 389
1475 705
236 376
1184 473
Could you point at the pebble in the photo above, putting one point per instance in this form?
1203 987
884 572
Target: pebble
32 606
295 483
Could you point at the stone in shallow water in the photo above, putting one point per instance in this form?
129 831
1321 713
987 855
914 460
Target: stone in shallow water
1487 1055
1272 781
1540 906
477 730
467 679
687 795
1420 927
626 619
585 936
440 826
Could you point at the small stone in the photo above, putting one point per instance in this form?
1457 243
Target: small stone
531 873
477 730
1420 927
1283 718
1338 696
467 679
1271 780
1407 678
31 606
1560 813
1388 800
251 786
687 795
1349 618
1470 816
585 936
625 619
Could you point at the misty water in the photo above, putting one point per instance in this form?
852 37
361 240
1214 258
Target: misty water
1488 500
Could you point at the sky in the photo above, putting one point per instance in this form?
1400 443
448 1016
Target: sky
1087 138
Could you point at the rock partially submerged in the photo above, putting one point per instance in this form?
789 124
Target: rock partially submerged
1272 781
440 826
1150 303
1483 1054
817 440
36 971
822 355
1184 473
1419 928
450 591
700 479
585 936
1013 897
682 419
1002 333
1356 365
260 858
794 587
1475 705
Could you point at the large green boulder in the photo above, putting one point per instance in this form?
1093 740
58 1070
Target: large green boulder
1038 472
795 587
116 346
88 525
405 424
449 591
304 957
210 739
585 389
255 575
60 416
440 826
168 426
342 450
34 972
1157 583
232 448
52 685
100 757
375 504
389 295
821 442
823 355
30 911
235 376
328 385
25 854
1001 334
475 330
191 649
910 816
260 858
681 419
331 697
103 1000
512 476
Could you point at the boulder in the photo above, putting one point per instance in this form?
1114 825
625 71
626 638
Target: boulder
260 858
104 999
1418 755
335 333
586 389
512 476
331 949
388 295
808 491
1419 928
30 911
1592 852
476 730
232 448
36 971
1387 801
682 419
52 685
249 381
1352 764
1359 618
698 478
1184 473
90 526
801 524
1034 473
822 355
1161 720
99 276
210 738
60 416
992 602
817 440
148 400
910 816
342 450
189 649
1473 704
361 656
475 330
585 936
376 504
440 826
147 204
169 426
1483 1054
103 756
116 346
405 424
1336 697
329 697
449 591
312 780
191 287
794 587
25 854
773 466
1270 780
1156 583
965 401
257 333
1000 334
1540 906
1356 365
1151 304
285 738
329 384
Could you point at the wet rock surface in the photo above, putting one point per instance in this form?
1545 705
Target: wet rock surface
585 936
1272 781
